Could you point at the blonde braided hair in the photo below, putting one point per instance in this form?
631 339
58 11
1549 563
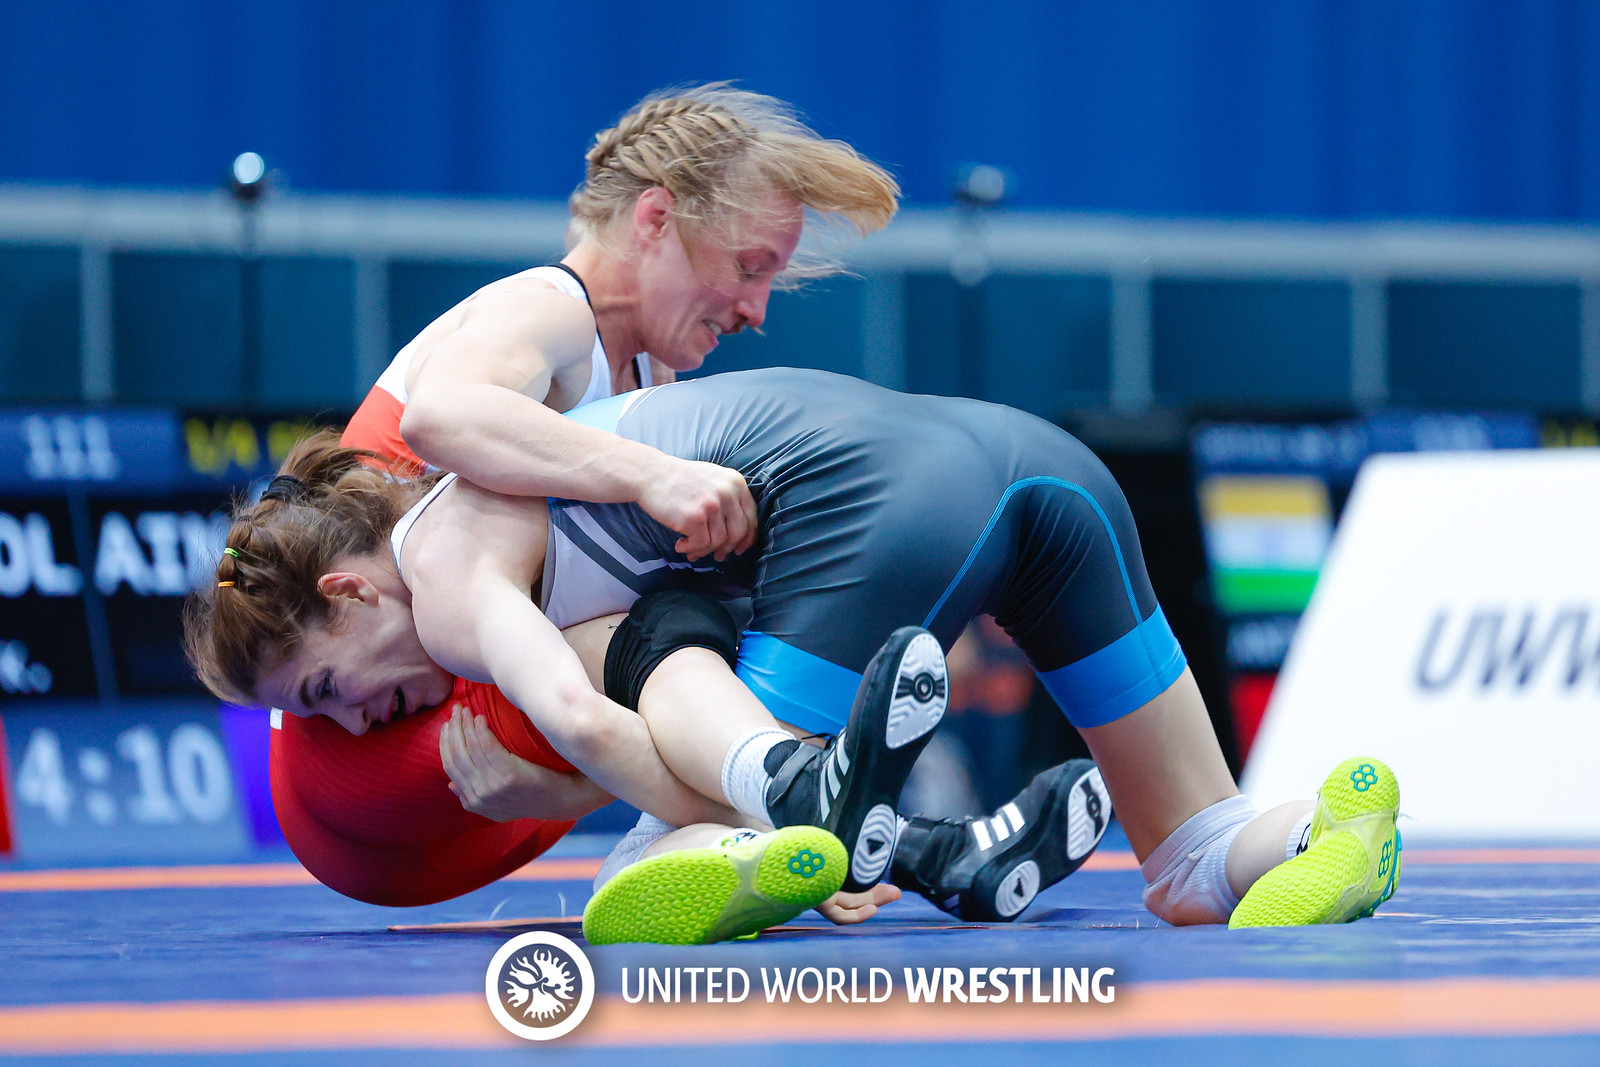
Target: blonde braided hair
718 151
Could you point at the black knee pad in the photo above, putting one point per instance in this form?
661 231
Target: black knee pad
658 625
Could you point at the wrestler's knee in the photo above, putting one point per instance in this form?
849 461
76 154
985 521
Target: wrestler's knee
659 625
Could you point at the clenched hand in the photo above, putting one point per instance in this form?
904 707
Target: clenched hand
709 506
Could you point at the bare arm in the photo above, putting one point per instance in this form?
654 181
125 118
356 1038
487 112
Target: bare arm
469 573
479 400
484 402
495 782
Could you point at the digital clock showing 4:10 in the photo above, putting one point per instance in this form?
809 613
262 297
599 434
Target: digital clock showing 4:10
147 781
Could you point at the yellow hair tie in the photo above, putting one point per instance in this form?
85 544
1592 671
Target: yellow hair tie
224 585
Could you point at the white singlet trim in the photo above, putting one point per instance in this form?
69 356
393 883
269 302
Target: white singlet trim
576 587
397 536
393 378
586 592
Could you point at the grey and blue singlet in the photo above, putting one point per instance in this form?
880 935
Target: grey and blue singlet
878 510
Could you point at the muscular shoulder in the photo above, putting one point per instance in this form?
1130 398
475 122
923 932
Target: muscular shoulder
467 552
513 332
469 531
527 301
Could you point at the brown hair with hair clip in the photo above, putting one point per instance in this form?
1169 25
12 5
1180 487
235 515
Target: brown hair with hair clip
339 506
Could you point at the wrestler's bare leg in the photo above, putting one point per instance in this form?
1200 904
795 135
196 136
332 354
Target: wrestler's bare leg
696 709
1162 765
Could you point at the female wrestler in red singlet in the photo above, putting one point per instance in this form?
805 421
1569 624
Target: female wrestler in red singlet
374 818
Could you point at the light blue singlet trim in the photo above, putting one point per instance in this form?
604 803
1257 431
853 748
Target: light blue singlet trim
994 519
602 414
814 694
1120 678
799 688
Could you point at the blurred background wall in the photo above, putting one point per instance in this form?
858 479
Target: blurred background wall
1241 247
1320 109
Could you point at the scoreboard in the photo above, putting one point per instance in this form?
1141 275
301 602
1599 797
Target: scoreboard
150 781
107 520
1270 496
109 748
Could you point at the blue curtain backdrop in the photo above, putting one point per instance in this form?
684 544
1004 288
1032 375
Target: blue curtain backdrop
1310 108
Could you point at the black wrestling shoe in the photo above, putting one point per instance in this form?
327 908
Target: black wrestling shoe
851 787
990 868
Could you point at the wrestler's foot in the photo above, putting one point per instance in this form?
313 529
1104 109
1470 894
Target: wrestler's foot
1351 863
740 886
851 787
990 868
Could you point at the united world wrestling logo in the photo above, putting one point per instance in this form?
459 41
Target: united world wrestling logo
540 985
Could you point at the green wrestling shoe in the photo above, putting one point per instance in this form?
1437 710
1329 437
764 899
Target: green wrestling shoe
735 889
1352 861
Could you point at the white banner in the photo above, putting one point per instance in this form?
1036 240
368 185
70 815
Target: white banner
1454 633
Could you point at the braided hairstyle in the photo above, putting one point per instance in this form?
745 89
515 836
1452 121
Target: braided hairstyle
327 504
718 150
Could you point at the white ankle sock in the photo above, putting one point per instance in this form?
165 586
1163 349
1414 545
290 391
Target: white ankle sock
1299 837
1186 877
744 772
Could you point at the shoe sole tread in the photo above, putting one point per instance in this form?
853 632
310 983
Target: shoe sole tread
904 725
702 895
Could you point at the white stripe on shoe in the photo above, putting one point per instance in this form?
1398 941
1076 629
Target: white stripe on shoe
836 764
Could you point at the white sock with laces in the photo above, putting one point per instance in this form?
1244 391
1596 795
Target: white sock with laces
744 772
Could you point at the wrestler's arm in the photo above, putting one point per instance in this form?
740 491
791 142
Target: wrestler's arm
508 793
469 562
478 406
498 784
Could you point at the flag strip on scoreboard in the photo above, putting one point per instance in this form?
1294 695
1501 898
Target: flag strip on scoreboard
1265 539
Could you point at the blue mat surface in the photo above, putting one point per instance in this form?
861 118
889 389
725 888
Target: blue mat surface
1503 921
